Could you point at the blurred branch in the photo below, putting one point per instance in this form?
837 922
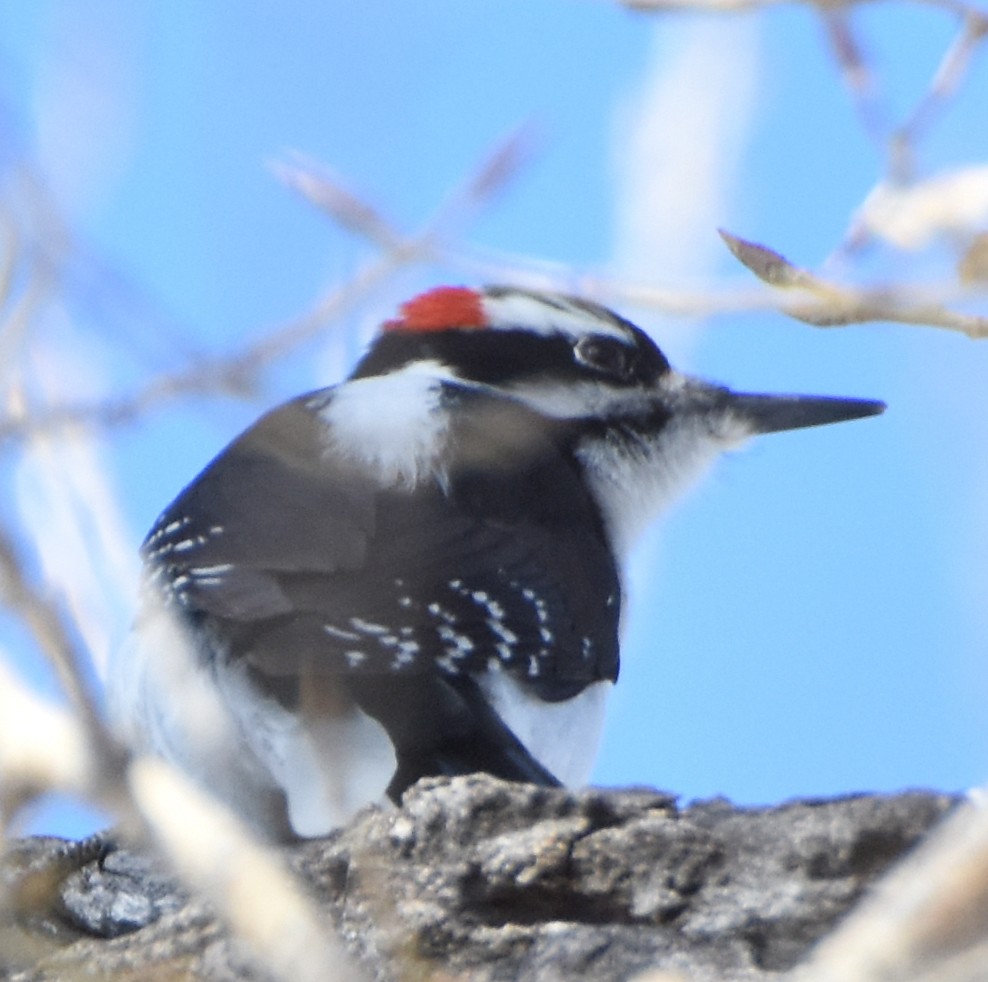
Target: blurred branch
260 901
833 304
897 141
41 747
854 68
824 303
947 78
457 208
20 307
44 748
958 7
324 190
54 637
237 374
925 921
705 6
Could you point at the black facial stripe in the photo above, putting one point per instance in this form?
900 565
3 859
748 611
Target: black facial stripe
499 357
630 429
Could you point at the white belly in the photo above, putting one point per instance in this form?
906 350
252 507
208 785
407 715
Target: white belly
563 737
241 746
263 759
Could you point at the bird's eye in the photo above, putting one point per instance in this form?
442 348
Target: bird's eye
605 355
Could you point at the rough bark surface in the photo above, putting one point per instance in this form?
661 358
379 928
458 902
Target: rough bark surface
476 878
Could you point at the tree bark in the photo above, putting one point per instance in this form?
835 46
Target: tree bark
481 879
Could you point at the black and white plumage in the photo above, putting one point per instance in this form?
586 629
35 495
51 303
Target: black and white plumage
417 572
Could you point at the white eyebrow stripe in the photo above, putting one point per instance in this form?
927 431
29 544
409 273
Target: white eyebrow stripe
522 309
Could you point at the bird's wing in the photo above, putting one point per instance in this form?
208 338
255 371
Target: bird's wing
303 566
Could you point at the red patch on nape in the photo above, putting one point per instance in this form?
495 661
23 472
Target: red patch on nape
440 309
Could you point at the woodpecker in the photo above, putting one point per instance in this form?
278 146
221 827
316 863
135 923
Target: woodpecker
419 571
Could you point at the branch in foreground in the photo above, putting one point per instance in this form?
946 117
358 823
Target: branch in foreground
824 303
53 636
237 374
273 922
928 916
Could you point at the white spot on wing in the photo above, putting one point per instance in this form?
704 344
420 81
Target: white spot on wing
211 570
458 644
368 627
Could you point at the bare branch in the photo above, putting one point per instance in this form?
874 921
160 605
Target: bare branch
256 895
768 265
715 6
62 759
829 304
824 304
955 62
322 189
210 849
898 142
500 166
21 307
47 624
972 270
237 375
926 919
854 67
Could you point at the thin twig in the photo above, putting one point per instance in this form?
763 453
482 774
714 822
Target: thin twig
50 629
956 61
237 374
897 141
824 303
855 70
924 920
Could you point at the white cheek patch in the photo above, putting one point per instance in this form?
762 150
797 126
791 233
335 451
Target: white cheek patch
392 424
634 485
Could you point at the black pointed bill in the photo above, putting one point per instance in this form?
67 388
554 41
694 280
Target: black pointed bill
772 414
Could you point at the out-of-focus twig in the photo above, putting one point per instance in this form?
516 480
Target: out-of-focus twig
949 73
41 746
958 7
457 208
237 374
823 303
260 901
44 748
897 141
928 919
325 191
917 303
19 306
46 622
714 6
854 67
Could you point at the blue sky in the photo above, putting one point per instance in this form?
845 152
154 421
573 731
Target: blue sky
812 620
